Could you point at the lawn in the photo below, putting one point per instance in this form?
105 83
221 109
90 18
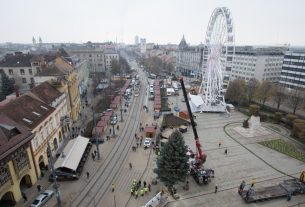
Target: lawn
285 148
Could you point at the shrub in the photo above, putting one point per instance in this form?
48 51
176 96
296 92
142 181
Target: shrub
290 118
298 129
254 110
278 117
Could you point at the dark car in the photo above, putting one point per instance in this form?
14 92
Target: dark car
93 140
63 176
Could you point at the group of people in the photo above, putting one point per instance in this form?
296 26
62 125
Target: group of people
137 189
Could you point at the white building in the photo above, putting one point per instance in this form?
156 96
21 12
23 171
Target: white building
21 68
293 70
259 63
143 45
190 60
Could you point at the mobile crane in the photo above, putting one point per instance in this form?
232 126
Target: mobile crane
202 176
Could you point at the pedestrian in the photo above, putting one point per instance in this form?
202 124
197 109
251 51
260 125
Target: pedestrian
139 184
149 187
226 151
39 188
144 183
219 144
130 166
92 155
117 127
112 187
110 131
289 196
25 198
137 144
87 173
131 191
216 188
95 152
241 187
141 139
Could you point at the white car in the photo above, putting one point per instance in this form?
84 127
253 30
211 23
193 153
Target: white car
147 143
42 198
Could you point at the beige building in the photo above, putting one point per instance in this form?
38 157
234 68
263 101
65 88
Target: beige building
110 56
43 120
63 76
21 68
16 162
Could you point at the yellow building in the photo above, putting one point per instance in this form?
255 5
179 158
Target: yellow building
17 171
61 74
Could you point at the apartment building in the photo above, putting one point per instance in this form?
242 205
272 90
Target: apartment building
190 60
39 117
63 76
259 63
293 70
21 68
110 55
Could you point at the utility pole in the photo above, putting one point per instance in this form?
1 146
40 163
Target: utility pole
96 137
57 194
121 107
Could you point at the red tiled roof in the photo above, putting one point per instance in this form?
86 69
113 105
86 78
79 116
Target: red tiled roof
46 92
27 111
12 136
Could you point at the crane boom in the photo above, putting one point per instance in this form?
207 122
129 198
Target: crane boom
201 156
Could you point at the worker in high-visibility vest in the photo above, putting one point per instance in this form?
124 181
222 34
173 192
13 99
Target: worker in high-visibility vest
131 191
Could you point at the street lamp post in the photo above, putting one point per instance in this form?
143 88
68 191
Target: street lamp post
56 187
96 137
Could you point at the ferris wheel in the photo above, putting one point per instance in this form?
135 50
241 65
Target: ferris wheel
220 45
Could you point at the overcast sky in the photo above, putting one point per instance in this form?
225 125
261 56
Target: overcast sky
259 22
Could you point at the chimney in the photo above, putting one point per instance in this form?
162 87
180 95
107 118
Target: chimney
17 91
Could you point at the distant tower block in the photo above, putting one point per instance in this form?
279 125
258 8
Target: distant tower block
33 41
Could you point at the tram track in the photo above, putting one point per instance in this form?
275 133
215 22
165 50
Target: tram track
96 189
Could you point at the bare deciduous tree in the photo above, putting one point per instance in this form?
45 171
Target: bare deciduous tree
252 86
296 98
236 91
279 95
265 91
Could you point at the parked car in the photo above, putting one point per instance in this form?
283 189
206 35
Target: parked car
147 143
63 176
42 198
114 119
93 140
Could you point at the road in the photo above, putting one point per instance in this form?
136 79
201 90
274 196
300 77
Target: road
95 191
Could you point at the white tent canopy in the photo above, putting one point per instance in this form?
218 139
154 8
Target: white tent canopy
72 154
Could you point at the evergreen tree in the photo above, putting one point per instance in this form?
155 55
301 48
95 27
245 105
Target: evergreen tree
7 85
172 165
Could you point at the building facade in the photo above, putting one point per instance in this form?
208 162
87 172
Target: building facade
21 68
63 76
259 63
110 55
293 70
94 56
142 45
190 60
17 170
40 118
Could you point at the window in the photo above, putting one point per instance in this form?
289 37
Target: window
10 71
32 80
4 174
30 72
22 71
23 80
